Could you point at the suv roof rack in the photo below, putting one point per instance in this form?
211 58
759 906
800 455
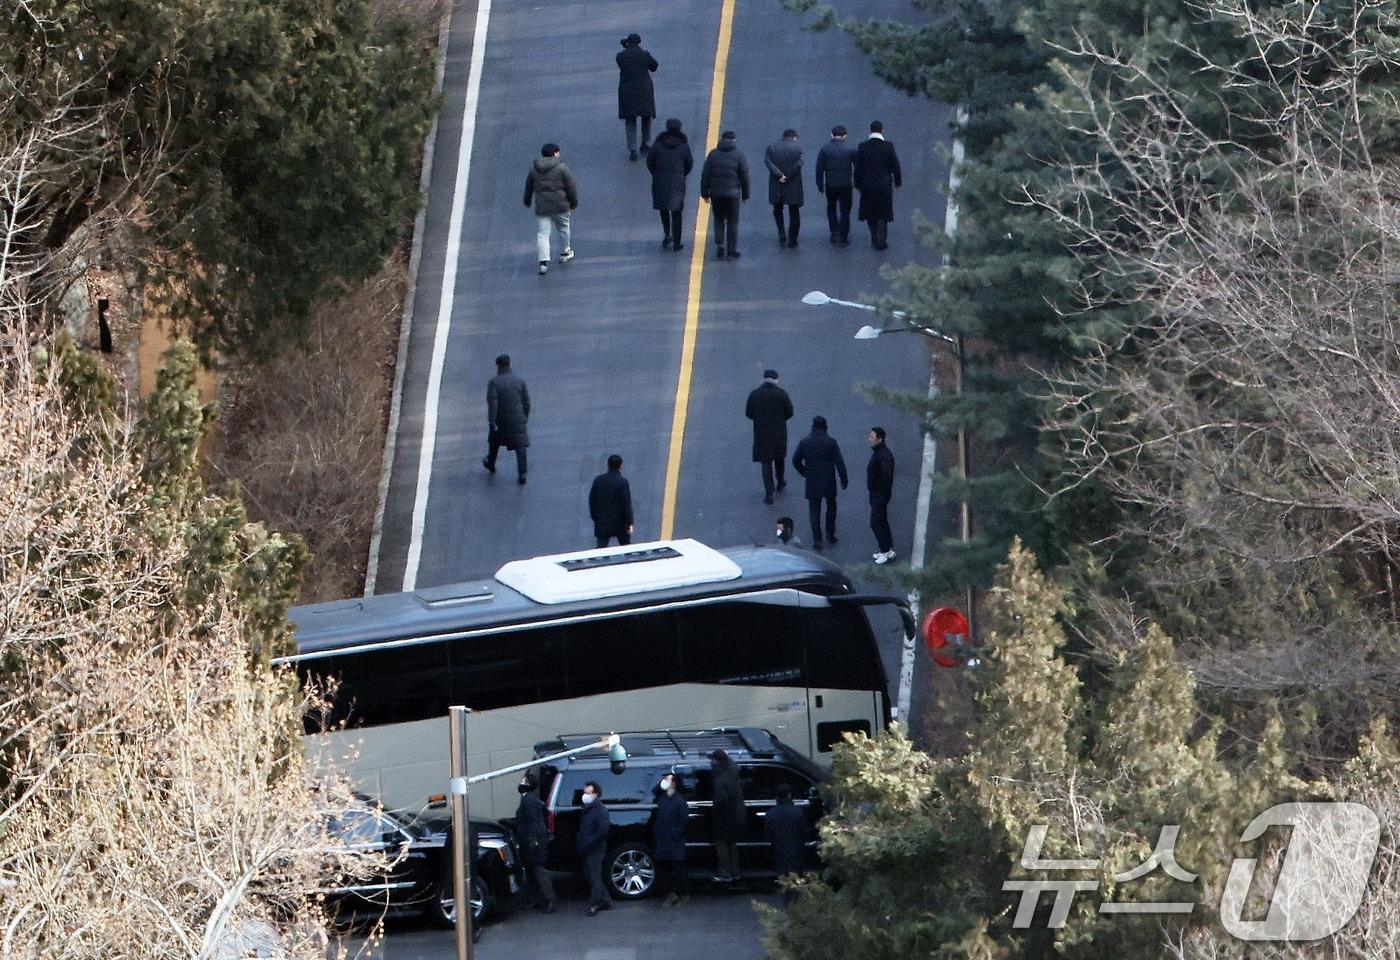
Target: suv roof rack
672 744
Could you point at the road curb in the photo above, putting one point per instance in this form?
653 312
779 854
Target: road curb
415 256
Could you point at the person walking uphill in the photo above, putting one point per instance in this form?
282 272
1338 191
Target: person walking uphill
507 417
724 183
532 835
726 816
835 172
670 162
551 186
784 162
610 505
879 480
770 408
591 843
877 177
818 458
635 96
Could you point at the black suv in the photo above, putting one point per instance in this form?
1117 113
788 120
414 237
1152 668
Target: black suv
420 876
764 762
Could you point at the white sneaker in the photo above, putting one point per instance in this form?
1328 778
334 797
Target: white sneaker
544 267
876 557
884 557
567 255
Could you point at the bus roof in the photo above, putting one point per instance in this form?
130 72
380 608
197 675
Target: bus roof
501 601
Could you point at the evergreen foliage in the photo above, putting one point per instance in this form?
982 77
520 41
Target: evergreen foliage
254 152
915 851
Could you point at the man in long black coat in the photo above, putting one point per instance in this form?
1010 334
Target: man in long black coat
818 458
532 835
726 815
507 413
610 505
877 177
635 97
787 831
670 162
770 408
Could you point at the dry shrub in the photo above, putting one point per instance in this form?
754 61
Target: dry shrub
304 434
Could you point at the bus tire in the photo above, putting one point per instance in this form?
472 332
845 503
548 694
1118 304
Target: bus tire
630 871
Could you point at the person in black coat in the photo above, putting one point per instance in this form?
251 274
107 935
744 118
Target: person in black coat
610 505
532 835
670 162
818 458
879 480
787 831
724 184
836 163
592 843
784 162
877 177
726 816
635 97
507 413
668 829
770 408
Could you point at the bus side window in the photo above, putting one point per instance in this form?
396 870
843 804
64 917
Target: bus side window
841 650
508 669
749 644
622 653
394 685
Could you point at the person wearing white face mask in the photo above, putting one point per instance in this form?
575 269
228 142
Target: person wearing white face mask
668 841
592 843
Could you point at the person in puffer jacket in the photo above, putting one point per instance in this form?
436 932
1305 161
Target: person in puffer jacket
724 183
551 186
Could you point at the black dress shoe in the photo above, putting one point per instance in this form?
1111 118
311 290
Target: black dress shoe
665 243
486 462
768 499
782 485
719 253
817 545
733 254
677 245
792 241
782 239
831 539
632 155
520 479
593 911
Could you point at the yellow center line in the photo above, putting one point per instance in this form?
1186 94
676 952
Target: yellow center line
699 245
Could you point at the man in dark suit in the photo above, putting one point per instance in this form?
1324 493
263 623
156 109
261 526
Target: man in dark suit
770 408
787 830
877 177
610 505
507 413
818 458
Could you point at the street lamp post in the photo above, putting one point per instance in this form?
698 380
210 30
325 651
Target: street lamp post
461 814
817 298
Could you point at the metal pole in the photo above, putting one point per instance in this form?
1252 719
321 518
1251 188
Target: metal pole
964 508
461 830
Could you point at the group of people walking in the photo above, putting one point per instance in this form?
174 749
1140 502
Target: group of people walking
785 827
817 460
841 169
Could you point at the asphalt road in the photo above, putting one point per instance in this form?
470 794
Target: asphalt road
599 340
708 926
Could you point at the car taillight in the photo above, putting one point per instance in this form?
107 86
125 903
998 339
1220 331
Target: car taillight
549 821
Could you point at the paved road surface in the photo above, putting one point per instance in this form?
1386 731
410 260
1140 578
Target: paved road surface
707 927
600 340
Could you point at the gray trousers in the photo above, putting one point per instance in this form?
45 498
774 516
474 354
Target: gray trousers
559 223
631 123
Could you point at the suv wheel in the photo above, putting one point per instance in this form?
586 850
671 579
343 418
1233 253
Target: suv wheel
630 871
441 907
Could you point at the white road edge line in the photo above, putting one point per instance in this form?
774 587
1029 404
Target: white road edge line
449 291
929 463
415 257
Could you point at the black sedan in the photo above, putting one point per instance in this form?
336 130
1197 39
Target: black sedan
420 875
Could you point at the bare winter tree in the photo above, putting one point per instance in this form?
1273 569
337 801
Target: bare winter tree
1248 423
154 798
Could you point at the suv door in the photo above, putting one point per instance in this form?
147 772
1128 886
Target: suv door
760 782
697 785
